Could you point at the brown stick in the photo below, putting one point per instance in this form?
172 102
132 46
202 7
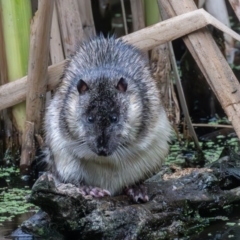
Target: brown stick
85 9
56 48
38 62
70 24
236 7
37 76
137 14
212 125
15 92
215 68
181 95
28 148
145 39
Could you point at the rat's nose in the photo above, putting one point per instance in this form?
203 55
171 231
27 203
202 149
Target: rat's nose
102 151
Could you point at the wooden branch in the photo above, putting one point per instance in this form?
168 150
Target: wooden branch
15 92
181 95
145 39
236 7
175 27
212 125
28 148
37 79
85 9
70 25
56 48
38 62
138 17
211 62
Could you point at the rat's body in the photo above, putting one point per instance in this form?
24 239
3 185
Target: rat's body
105 126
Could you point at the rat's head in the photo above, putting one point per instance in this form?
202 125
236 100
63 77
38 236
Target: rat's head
105 87
103 111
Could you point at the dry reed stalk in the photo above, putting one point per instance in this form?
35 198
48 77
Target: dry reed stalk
161 68
137 14
28 148
183 99
175 27
56 48
85 9
160 64
145 39
211 62
180 92
70 25
236 7
37 78
15 92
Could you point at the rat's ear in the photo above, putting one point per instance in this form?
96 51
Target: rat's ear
82 87
122 85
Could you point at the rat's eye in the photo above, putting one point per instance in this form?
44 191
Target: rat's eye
90 119
113 118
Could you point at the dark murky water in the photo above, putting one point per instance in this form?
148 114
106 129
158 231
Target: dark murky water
6 185
9 226
222 230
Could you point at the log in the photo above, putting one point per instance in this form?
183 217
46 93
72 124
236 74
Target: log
145 39
176 198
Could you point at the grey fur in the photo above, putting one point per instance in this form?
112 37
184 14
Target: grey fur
129 126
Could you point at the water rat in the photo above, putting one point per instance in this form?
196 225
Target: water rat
105 126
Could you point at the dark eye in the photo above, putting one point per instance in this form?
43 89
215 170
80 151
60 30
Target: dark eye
90 119
113 118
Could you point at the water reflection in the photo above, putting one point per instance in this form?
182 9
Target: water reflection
9 227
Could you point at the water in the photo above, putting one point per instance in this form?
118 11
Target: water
14 208
10 226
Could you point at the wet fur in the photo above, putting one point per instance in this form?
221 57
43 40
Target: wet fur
141 136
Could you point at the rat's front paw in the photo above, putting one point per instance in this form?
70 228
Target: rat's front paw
94 191
137 193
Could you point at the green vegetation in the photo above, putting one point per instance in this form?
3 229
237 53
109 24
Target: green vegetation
13 200
212 150
16 16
